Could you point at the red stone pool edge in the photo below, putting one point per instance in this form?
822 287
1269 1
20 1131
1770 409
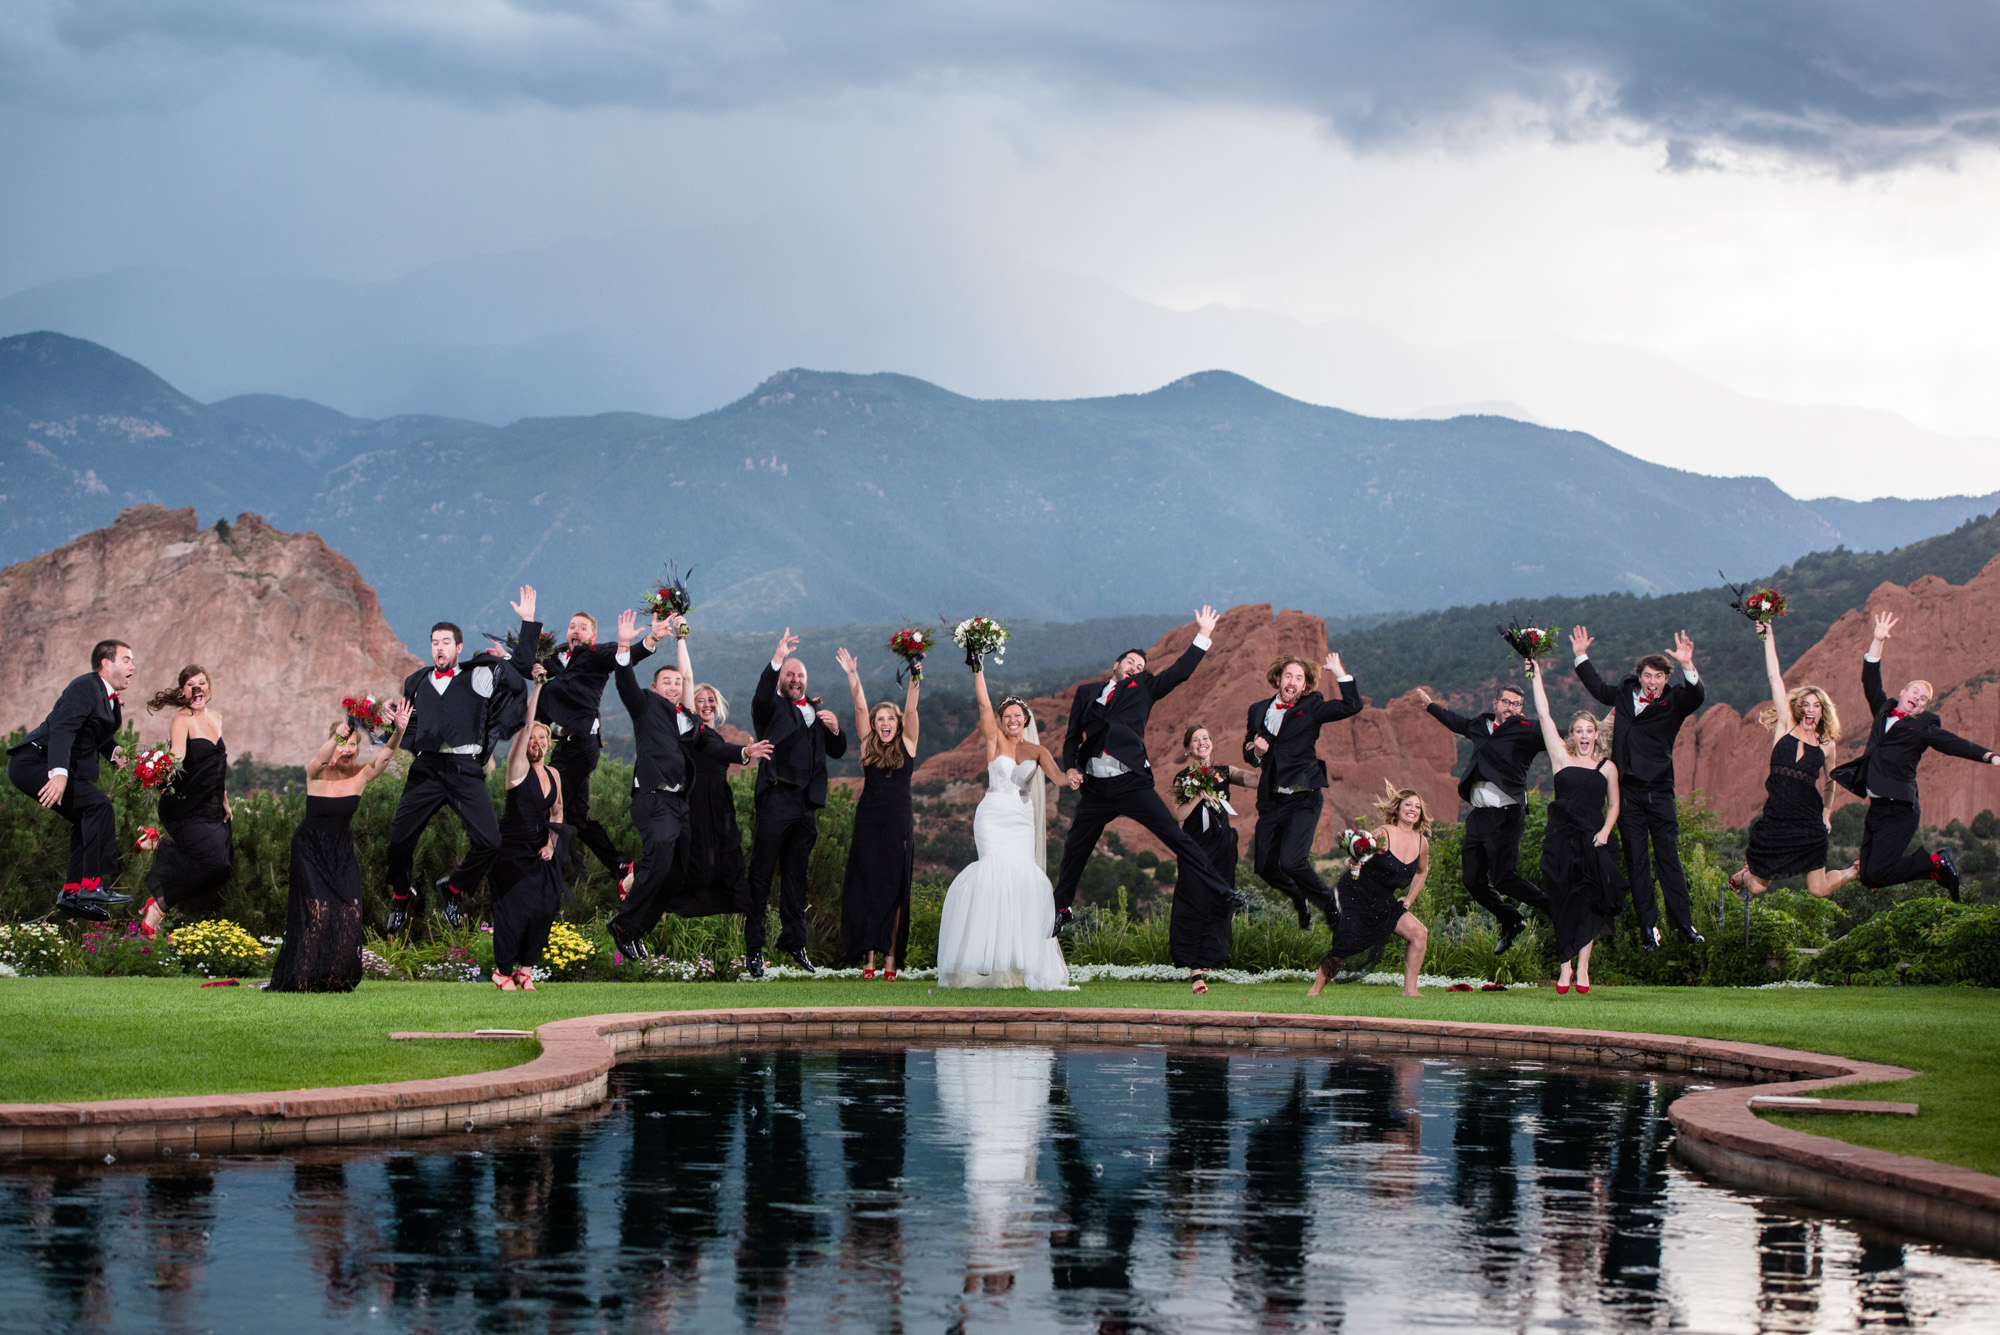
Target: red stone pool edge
1717 1131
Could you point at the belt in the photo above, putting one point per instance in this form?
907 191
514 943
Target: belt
469 749
559 733
660 788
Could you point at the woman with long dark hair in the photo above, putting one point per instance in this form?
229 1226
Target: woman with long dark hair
1198 932
1578 869
1790 837
527 877
322 949
1372 907
192 862
875 893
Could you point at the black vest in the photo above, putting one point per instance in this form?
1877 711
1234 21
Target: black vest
456 718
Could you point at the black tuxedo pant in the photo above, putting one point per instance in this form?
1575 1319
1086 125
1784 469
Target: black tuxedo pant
1491 863
782 843
662 820
438 780
93 821
1647 815
575 759
1285 832
1132 795
1886 856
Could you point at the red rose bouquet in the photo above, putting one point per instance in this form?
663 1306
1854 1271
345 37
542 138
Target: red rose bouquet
365 714
910 645
1201 783
154 768
1360 845
671 598
981 636
1530 642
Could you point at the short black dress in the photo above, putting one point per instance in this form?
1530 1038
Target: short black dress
322 950
1370 907
1790 838
709 876
527 890
194 859
875 894
1199 934
1583 881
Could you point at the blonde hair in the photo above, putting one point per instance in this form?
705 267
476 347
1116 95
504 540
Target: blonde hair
1600 746
721 702
587 617
1283 661
548 738
888 755
1390 806
1829 719
1930 691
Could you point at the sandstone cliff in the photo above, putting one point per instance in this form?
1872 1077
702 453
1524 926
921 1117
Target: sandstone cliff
284 624
1949 635
1398 742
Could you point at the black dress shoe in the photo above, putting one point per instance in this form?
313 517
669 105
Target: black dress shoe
1304 910
1945 871
756 964
1236 900
1510 932
399 915
102 897
72 903
1649 939
452 913
798 957
1691 936
632 950
1063 918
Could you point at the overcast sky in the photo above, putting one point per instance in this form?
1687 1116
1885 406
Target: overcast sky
1797 199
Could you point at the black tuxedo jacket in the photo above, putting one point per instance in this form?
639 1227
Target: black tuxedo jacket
1293 760
81 728
1642 745
662 756
1888 768
1118 729
799 750
1500 756
573 696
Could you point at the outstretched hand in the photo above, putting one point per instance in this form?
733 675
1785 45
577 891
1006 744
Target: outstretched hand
1579 641
1683 651
758 751
1885 624
660 629
400 713
628 629
525 608
1204 620
847 661
1423 694
1333 665
787 643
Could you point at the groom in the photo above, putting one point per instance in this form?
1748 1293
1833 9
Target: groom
1105 754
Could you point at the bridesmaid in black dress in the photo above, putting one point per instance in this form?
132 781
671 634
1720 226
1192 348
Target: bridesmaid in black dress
527 879
1372 907
194 860
322 950
875 894
1198 931
1579 871
1790 838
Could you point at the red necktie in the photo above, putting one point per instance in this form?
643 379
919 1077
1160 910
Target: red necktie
444 674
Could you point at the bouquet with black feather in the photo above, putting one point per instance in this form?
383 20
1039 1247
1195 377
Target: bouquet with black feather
671 598
1762 606
1530 642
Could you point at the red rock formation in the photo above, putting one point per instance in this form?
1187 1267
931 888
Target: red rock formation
1399 742
284 624
1948 634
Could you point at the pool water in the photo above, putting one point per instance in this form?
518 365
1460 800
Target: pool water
899 1187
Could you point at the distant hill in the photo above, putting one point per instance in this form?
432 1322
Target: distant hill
822 498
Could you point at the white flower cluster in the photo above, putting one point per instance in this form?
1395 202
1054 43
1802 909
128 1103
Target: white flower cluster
1787 982
982 635
777 972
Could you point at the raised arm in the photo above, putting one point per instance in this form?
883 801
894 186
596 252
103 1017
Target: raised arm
764 700
989 726
910 712
852 668
1348 703
528 643
517 749
1457 722
629 689
1871 663
1782 724
399 712
1580 640
1552 737
317 765
1190 659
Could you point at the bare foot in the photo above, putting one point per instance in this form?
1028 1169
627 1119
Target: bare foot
1319 984
1413 991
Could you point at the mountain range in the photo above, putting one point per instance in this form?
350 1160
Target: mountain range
823 498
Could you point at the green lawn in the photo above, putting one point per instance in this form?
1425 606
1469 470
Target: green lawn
99 1038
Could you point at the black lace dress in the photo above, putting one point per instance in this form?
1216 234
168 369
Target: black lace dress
875 894
194 857
1789 839
1584 884
527 889
322 950
1198 931
1370 906
709 876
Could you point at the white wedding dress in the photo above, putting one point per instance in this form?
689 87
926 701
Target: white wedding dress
1000 914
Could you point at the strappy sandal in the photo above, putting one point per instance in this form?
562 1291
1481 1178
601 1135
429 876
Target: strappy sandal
524 979
868 973
888 975
504 981
1199 984
150 932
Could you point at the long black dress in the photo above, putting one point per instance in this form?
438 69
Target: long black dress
1199 933
194 859
527 889
875 893
1584 884
1370 908
709 876
1789 839
322 950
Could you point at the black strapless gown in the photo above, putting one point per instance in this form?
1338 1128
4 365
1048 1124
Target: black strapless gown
1370 907
1790 839
194 859
875 892
1584 884
527 890
709 875
1199 932
322 950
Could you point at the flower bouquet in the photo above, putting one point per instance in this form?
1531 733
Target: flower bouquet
980 636
364 715
154 768
671 598
1201 783
1530 642
1360 845
1762 606
910 645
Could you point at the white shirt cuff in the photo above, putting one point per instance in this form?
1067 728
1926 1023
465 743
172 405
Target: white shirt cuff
1201 642
777 663
1581 657
58 774
1345 677
1871 658
624 658
1693 677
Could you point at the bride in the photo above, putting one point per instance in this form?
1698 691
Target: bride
1000 914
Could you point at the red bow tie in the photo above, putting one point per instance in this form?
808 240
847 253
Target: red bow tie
1282 704
1645 699
444 674
114 697
1894 713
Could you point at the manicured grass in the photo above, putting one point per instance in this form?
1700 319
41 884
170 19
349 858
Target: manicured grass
98 1038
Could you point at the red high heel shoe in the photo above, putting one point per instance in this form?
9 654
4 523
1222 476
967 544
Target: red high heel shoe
869 972
504 981
888 975
151 933
524 980
1562 987
1583 987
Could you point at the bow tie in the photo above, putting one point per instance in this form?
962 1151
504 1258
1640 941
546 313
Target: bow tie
1284 705
1894 713
1645 699
444 674
114 697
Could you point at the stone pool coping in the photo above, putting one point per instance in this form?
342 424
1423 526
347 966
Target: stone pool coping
1717 1129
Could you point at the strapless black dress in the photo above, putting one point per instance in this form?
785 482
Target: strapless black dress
1583 881
875 892
1199 931
196 851
322 950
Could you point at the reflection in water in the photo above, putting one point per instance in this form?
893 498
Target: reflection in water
877 1187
